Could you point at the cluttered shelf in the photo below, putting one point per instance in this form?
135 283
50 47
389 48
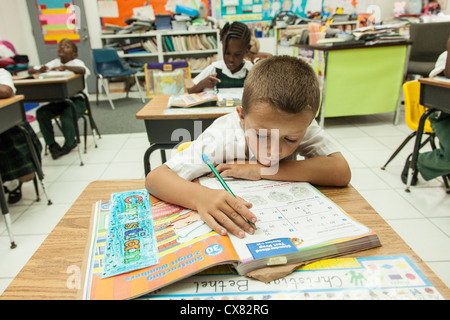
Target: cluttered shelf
199 47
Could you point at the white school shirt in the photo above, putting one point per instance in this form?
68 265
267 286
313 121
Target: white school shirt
211 69
6 79
439 67
224 141
72 63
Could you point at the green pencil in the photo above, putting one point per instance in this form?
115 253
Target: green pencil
222 182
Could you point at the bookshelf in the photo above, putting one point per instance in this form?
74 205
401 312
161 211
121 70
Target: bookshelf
166 45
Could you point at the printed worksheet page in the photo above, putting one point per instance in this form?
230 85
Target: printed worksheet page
291 216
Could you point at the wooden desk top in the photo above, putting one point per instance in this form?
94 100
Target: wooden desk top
436 82
45 81
154 110
46 274
9 101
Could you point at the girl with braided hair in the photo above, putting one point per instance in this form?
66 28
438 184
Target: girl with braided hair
232 70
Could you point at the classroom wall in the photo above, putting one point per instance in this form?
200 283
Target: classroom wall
15 23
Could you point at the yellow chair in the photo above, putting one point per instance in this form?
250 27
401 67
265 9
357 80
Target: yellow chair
413 112
183 146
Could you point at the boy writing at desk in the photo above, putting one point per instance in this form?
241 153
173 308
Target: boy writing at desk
261 140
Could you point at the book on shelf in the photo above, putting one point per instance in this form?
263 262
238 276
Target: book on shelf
189 43
150 45
296 224
188 100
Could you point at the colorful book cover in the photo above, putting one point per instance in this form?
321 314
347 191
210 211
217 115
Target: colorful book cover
186 246
364 278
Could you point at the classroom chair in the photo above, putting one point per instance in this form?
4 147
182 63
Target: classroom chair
167 78
183 146
413 112
107 65
86 116
428 42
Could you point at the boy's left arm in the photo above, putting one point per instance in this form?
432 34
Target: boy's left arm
77 70
331 170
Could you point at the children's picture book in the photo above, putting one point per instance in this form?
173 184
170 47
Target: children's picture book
205 98
295 223
131 242
362 278
186 246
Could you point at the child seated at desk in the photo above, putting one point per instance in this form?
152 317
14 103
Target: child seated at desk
435 163
232 70
16 165
261 140
67 60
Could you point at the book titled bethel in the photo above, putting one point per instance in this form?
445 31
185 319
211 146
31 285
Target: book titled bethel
296 224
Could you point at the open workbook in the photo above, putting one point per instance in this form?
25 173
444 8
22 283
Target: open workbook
296 223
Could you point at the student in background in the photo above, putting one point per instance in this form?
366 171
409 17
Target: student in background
232 70
261 140
67 60
435 163
16 165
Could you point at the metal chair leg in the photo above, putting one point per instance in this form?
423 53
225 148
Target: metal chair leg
105 88
139 87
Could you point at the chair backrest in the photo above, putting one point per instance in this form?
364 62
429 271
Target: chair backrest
183 146
413 109
173 74
429 40
107 61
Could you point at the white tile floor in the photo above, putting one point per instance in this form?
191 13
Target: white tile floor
421 218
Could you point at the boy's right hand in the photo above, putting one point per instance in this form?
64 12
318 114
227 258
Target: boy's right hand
221 211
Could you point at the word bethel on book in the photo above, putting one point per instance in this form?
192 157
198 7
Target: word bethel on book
131 242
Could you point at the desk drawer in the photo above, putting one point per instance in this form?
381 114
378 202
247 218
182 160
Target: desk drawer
435 97
11 116
51 91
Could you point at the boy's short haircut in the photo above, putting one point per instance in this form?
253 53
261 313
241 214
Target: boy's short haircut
286 83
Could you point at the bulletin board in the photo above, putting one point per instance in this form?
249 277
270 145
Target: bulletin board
57 19
259 10
126 9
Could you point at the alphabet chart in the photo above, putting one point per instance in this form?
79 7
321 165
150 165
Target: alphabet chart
131 242
292 216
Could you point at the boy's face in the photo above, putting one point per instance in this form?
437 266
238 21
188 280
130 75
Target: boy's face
233 56
273 135
66 52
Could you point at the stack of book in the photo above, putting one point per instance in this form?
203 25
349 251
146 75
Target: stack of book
382 33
